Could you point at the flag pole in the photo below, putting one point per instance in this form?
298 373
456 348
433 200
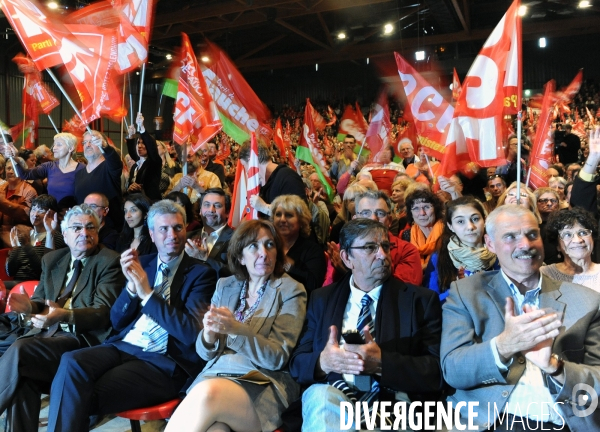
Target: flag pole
125 116
64 92
528 176
142 87
12 159
53 125
184 167
130 99
519 122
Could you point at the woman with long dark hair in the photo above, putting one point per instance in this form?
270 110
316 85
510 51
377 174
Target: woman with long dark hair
461 251
135 232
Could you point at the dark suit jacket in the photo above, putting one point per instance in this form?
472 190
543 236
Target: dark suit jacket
149 174
217 258
99 285
191 290
408 325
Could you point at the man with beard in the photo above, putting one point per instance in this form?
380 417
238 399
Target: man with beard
519 343
210 244
390 335
197 180
156 320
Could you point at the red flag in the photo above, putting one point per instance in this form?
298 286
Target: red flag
318 119
590 116
34 86
350 123
40 34
235 99
77 128
278 138
491 89
456 87
360 118
253 177
196 116
541 153
287 141
427 108
378 134
567 94
332 116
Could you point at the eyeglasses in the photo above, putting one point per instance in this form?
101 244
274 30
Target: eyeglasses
78 228
493 176
95 206
425 208
568 235
380 214
547 201
371 248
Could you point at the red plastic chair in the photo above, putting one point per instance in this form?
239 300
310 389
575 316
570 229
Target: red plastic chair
157 412
3 258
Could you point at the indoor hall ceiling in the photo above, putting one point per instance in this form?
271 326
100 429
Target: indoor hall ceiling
276 34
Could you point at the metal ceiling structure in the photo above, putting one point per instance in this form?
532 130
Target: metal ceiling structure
277 34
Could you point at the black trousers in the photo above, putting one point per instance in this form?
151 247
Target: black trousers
105 380
26 370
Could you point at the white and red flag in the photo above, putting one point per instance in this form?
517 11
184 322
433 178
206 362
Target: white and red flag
196 116
353 123
287 141
378 133
332 116
253 177
456 87
134 33
541 153
34 86
426 108
491 89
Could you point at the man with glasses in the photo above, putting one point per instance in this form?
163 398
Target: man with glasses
519 343
496 186
392 330
107 235
69 310
406 262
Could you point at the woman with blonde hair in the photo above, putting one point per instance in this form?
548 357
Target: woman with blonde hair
304 258
60 173
527 199
347 211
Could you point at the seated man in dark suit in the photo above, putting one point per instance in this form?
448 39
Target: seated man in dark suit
156 321
405 320
69 310
107 236
211 242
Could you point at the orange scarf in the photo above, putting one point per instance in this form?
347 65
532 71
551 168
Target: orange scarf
425 245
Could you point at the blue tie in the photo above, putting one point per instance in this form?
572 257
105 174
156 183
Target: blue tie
365 318
158 336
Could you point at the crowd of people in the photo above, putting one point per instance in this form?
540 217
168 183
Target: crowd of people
401 286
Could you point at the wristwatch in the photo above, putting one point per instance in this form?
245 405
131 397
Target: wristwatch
560 364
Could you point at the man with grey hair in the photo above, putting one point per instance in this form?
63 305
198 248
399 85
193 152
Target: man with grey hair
156 319
395 330
69 310
519 343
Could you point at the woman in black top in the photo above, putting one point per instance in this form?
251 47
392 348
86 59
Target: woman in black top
135 232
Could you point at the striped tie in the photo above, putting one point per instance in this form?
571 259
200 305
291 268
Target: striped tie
365 318
158 336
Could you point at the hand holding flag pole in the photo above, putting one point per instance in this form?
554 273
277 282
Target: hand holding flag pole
12 159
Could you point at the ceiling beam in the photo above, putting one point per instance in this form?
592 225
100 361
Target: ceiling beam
325 29
261 47
254 19
301 33
461 16
531 31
